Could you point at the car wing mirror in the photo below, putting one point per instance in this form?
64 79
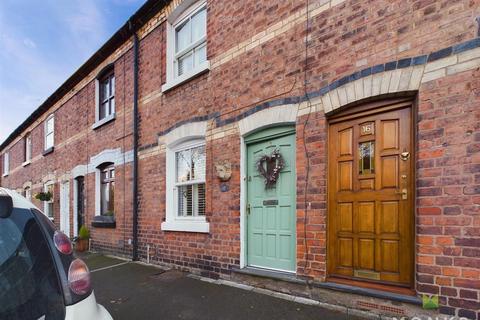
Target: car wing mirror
6 205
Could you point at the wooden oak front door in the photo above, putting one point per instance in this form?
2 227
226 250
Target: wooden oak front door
370 220
271 215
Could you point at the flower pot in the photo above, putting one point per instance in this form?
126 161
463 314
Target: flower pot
81 245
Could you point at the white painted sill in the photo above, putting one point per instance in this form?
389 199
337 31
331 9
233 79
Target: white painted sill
26 163
4 175
204 67
186 226
103 121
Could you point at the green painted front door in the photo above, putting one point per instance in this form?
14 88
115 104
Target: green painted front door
271 217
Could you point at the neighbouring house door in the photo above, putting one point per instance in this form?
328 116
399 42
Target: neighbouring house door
79 205
271 216
65 207
370 213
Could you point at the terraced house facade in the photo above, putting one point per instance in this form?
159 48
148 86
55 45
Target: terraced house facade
328 148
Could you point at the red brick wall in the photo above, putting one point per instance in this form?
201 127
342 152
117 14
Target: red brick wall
448 171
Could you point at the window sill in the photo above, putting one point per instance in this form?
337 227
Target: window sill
48 151
104 222
204 67
26 163
186 226
104 121
4 175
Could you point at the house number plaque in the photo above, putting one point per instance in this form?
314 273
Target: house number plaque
367 129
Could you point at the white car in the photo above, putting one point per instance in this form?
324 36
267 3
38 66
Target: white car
39 276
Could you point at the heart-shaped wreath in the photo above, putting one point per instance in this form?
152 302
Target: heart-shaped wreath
270 166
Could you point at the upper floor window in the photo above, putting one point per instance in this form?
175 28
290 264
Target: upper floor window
191 41
107 189
49 132
187 45
6 164
107 96
28 148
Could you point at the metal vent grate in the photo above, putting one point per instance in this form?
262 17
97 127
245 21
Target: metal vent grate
374 306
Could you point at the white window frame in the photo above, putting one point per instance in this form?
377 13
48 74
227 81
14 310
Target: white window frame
46 133
6 164
175 19
28 149
98 83
181 147
184 137
45 203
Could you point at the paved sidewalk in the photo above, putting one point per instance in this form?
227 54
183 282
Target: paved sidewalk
136 291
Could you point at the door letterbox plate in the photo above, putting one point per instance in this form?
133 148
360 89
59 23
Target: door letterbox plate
270 202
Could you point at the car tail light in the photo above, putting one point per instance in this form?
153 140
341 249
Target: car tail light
79 277
62 242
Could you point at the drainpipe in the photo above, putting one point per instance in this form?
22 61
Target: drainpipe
135 142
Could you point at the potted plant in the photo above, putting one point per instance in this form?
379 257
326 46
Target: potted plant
82 240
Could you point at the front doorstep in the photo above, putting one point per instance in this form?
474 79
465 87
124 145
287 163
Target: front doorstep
348 296
369 292
272 274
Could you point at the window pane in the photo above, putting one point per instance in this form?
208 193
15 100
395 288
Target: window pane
50 125
366 157
185 64
112 91
198 163
104 91
50 210
183 165
183 36
200 55
185 201
49 141
105 193
103 110
200 199
199 25
112 106
111 198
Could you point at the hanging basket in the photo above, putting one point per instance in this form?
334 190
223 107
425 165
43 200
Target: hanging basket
44 196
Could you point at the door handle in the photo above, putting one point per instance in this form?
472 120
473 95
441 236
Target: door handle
248 208
404 193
